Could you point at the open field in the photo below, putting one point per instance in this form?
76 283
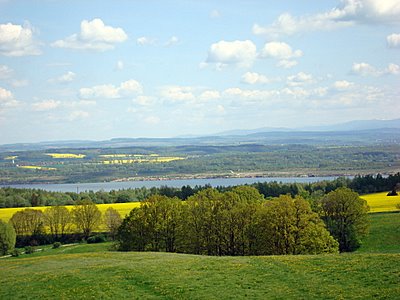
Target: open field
122 208
149 275
379 202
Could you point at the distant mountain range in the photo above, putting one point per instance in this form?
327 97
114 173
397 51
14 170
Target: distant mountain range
351 133
348 126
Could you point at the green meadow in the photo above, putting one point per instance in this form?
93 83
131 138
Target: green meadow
94 272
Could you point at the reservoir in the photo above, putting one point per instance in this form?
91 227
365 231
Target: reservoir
120 185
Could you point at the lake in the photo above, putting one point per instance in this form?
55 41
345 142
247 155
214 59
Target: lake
108 186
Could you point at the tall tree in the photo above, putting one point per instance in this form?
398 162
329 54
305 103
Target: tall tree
7 238
86 216
28 222
58 219
113 220
345 215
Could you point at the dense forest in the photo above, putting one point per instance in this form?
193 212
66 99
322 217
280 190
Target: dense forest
13 197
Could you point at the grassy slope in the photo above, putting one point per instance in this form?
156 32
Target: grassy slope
90 271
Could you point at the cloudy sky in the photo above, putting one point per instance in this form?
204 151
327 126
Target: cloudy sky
103 69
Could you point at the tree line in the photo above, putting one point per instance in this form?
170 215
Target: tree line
13 197
242 222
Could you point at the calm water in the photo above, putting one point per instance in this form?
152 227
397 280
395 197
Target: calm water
108 186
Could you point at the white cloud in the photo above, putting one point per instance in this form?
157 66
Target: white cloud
65 78
250 95
209 95
343 85
144 100
178 93
281 51
299 79
7 99
241 53
94 35
119 65
5 72
220 109
393 40
254 78
46 105
17 40
215 14
348 13
109 91
287 64
173 40
144 41
365 69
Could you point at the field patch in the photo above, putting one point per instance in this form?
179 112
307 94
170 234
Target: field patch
66 155
37 168
380 202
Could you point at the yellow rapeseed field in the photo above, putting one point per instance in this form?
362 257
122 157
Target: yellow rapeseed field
122 208
37 168
143 159
380 202
65 155
10 157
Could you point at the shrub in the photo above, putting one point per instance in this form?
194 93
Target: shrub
15 253
7 238
56 245
29 250
98 238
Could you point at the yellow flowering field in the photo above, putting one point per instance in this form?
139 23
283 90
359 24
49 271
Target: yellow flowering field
122 208
65 155
37 168
380 202
11 157
143 159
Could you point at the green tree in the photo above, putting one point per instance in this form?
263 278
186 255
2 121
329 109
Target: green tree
7 238
345 215
58 219
133 234
86 216
28 222
112 220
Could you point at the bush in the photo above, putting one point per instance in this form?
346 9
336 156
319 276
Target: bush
29 250
98 238
15 253
7 238
56 245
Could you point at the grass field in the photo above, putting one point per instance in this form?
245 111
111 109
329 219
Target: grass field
380 202
93 272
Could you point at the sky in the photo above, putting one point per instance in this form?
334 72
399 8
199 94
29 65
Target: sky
95 70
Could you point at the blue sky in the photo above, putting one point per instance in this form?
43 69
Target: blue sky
103 69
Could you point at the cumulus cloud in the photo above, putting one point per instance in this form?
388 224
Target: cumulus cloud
254 78
343 85
240 53
65 78
393 40
119 65
143 41
7 99
299 79
210 95
17 40
5 72
281 51
347 13
144 100
178 93
173 40
110 91
250 94
365 69
46 105
94 35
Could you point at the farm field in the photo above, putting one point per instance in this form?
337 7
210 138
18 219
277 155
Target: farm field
122 208
380 202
